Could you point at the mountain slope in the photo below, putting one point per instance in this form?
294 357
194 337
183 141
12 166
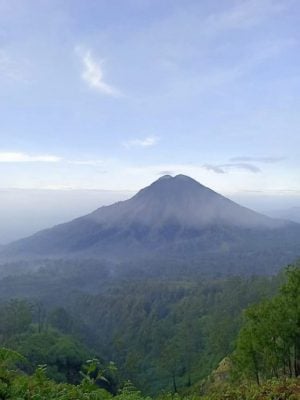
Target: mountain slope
173 217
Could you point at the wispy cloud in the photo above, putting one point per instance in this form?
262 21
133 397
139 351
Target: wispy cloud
193 169
146 142
267 160
257 55
17 157
92 74
245 14
166 172
215 168
223 168
242 166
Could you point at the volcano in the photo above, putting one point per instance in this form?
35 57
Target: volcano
174 217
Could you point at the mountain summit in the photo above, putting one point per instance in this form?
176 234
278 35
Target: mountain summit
173 217
184 201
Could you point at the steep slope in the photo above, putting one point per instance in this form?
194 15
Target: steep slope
173 217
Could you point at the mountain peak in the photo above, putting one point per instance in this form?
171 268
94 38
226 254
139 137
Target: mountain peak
184 177
183 200
172 216
178 181
164 177
179 177
169 188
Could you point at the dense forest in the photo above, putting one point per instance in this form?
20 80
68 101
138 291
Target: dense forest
164 336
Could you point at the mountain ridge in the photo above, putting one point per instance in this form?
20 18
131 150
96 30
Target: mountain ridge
174 217
178 194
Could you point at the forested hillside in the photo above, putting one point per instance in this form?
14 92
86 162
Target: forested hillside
189 337
161 333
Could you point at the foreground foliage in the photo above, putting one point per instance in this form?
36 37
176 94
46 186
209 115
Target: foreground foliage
15 385
164 337
275 389
269 342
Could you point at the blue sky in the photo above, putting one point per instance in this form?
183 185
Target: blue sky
112 94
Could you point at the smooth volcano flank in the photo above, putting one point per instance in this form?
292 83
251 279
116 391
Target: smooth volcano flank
174 218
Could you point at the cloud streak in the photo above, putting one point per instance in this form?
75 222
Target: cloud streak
257 56
18 157
93 75
245 14
223 168
166 172
148 141
215 168
267 160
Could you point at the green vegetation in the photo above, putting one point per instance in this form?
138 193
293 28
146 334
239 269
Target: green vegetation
233 338
273 389
269 342
15 385
163 335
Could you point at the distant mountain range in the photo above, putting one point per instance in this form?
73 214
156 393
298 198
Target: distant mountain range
175 219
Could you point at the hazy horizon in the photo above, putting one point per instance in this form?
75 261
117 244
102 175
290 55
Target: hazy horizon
26 211
110 95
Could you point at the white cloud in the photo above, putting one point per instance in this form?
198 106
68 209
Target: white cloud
17 157
267 160
93 75
146 142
